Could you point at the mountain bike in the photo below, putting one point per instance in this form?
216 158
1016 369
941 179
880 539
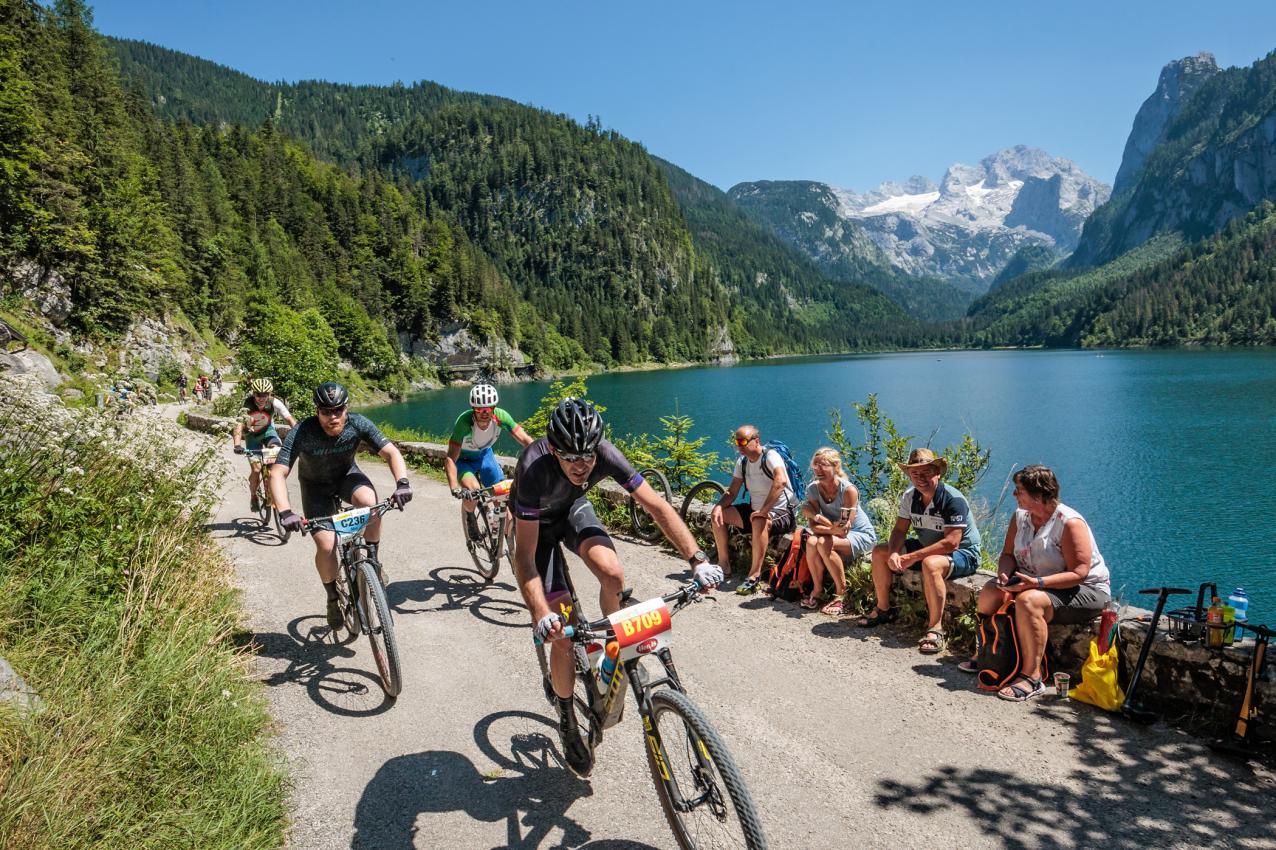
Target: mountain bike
495 529
701 790
706 493
360 594
643 525
265 502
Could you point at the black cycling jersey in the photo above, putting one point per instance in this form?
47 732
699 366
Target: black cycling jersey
327 460
543 492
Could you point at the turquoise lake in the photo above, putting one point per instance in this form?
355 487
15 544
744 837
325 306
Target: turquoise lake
1166 453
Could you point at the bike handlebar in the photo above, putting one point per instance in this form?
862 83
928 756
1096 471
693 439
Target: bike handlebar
602 629
324 523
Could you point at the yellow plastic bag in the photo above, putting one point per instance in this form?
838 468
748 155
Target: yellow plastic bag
1099 679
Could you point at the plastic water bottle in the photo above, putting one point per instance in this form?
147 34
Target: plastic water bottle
607 669
1239 600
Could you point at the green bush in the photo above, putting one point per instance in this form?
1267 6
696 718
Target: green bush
683 461
297 351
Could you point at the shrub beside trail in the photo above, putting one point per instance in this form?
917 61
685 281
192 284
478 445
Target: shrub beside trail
116 607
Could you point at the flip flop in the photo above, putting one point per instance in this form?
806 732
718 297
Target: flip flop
968 666
810 603
836 608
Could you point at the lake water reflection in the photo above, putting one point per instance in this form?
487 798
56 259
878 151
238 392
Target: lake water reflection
1166 453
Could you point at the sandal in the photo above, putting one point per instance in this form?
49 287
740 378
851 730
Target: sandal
968 666
933 642
878 617
836 608
810 603
1019 693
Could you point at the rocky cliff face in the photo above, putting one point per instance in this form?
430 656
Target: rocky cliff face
1179 80
966 228
1216 161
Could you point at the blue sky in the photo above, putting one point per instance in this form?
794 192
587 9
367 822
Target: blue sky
845 93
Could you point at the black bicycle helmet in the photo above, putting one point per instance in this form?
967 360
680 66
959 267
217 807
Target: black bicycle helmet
575 427
331 394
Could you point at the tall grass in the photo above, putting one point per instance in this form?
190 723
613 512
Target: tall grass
116 607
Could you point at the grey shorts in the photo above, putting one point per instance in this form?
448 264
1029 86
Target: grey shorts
783 520
1079 604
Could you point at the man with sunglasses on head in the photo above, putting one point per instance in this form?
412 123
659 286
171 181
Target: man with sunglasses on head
323 446
257 415
771 510
470 462
550 482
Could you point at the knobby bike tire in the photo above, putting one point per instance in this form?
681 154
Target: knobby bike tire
376 619
264 508
643 525
481 549
710 824
705 492
349 610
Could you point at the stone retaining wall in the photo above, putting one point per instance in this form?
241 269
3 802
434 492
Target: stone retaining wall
1186 681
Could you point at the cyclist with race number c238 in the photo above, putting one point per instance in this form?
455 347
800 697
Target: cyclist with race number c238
323 447
550 482
470 462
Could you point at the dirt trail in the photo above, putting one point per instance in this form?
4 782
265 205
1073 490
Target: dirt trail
845 736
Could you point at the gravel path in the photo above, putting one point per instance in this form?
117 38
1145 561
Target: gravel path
846 737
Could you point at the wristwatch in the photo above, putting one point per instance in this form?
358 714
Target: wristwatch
1041 583
402 482
698 557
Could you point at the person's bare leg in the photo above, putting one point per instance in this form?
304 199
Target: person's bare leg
761 538
882 576
600 556
934 569
1033 613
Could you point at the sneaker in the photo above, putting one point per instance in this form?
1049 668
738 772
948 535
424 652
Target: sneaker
254 505
580 759
334 615
748 587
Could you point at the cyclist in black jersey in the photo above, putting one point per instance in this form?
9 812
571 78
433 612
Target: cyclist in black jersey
323 448
550 482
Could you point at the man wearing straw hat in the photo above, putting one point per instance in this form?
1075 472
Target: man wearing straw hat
946 545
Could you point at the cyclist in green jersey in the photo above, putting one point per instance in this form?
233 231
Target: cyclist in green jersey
470 462
257 416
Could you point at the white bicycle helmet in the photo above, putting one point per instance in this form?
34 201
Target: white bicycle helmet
483 395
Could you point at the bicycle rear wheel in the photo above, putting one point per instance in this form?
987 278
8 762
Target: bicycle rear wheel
644 526
706 493
376 619
486 557
701 790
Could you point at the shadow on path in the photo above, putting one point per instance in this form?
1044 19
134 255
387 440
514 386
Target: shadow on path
247 528
457 588
530 792
310 653
1144 787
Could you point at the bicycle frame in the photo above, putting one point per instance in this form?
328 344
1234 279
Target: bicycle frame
351 549
493 506
265 456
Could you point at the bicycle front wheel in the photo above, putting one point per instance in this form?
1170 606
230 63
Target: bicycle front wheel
380 627
264 508
483 549
700 787
284 533
644 526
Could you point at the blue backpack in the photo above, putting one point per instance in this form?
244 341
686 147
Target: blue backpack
790 467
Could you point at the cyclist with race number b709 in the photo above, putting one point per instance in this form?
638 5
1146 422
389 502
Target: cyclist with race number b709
550 482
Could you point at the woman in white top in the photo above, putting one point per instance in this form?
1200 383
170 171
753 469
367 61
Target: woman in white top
1051 564
840 528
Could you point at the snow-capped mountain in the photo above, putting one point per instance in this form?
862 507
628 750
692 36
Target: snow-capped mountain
965 228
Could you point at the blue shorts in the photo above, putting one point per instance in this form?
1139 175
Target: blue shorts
484 468
269 437
961 563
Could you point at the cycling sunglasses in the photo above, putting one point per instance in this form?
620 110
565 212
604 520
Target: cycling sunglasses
575 458
331 411
487 410
744 441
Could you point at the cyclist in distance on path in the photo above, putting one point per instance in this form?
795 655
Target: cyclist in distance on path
471 463
257 414
323 448
550 482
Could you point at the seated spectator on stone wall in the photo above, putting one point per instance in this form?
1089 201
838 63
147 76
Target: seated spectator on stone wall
841 529
946 545
771 509
1051 564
